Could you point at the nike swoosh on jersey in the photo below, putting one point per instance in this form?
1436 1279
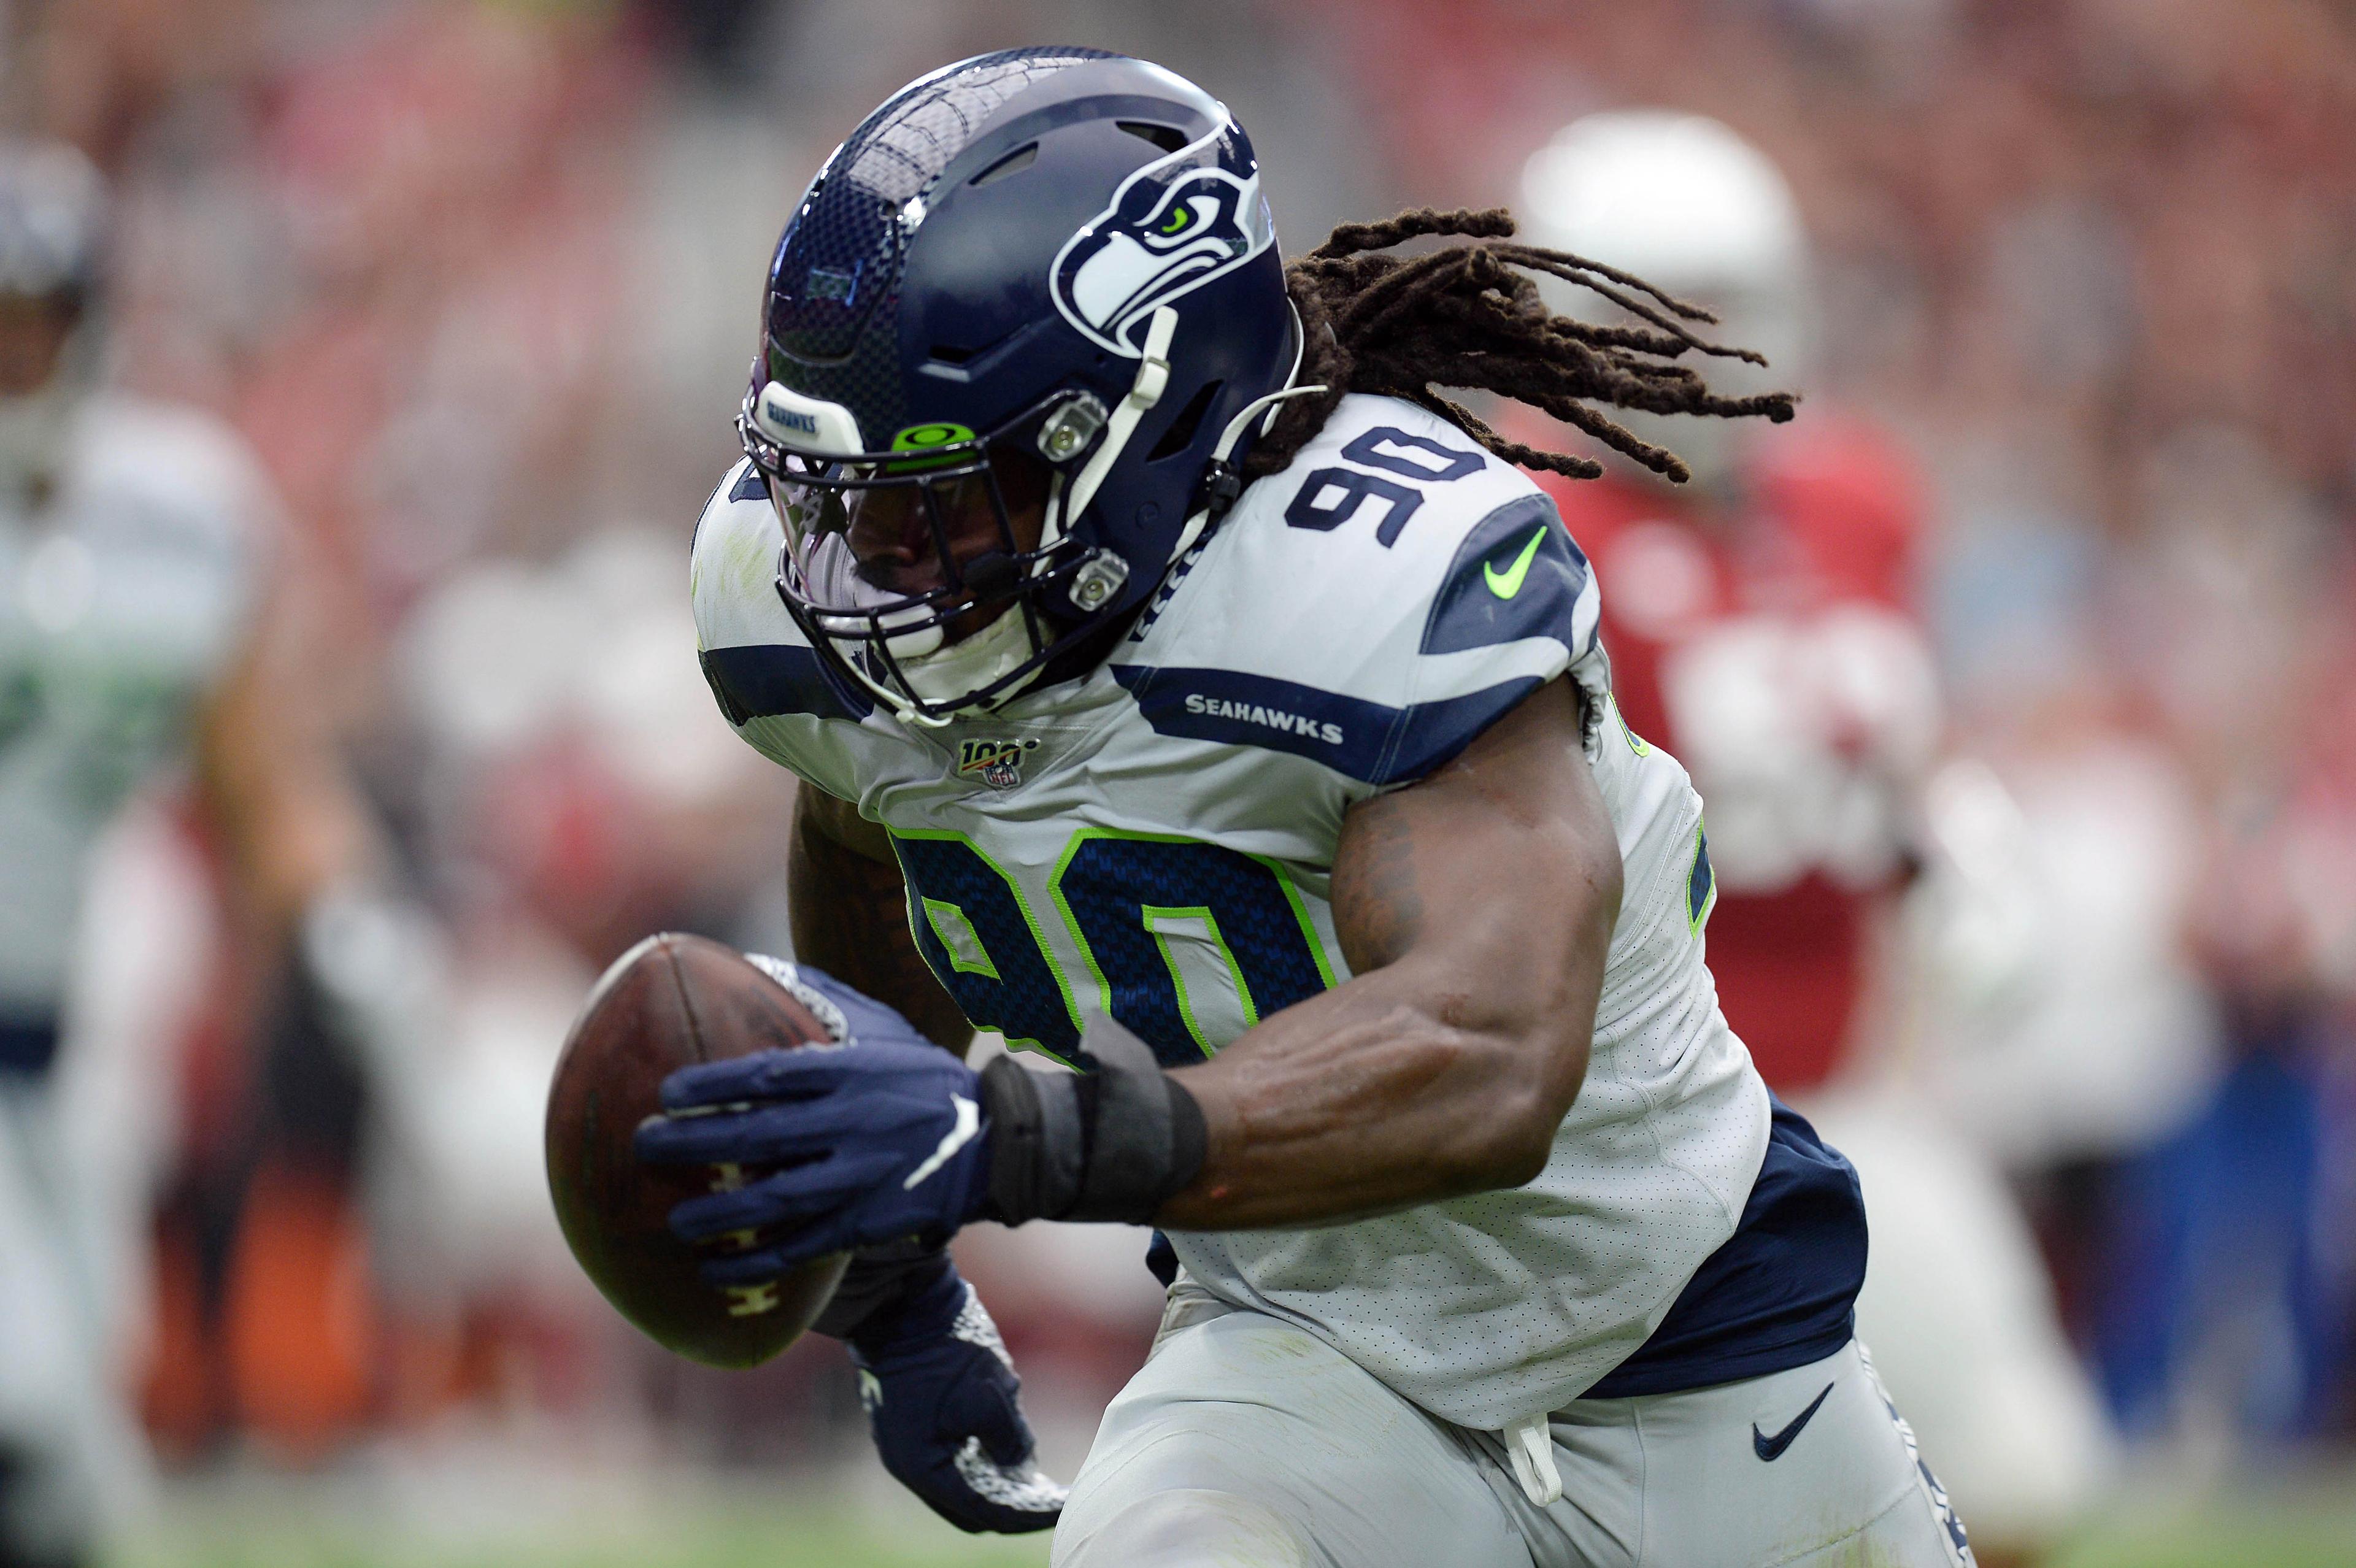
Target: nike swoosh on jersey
1507 584
1771 1448
969 1122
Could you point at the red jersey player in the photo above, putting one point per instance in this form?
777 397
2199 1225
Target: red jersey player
1762 628
1762 621
1764 633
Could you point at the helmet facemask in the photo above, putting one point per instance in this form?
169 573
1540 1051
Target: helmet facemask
922 652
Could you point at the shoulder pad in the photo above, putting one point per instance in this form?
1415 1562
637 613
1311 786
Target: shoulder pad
1375 605
756 660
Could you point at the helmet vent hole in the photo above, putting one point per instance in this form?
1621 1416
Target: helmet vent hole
1014 162
1169 138
1180 433
960 354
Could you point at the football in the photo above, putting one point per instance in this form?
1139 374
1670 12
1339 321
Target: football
670 1002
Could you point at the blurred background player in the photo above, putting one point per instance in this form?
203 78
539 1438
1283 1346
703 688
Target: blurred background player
148 631
1764 629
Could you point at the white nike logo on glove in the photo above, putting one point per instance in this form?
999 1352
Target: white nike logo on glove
1025 1486
969 1122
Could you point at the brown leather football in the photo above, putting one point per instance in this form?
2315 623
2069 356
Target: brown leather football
667 1003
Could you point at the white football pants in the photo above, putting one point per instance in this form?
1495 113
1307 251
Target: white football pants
1245 1440
54 1405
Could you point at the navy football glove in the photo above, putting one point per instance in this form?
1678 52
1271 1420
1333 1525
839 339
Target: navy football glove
941 1393
882 1138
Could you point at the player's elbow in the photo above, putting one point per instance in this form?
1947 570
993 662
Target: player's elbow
1509 1144
1526 1137
1502 1162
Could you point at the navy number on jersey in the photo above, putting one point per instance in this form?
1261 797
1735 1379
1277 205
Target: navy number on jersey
981 939
1329 498
1188 943
1172 927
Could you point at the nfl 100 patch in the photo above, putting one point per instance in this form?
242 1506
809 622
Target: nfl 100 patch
996 763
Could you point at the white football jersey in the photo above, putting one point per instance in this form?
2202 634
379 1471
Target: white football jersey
122 599
1156 841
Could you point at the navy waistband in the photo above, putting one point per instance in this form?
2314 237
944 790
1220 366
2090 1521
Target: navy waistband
1780 1293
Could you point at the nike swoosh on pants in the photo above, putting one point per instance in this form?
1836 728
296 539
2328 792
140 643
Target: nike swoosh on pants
1771 1448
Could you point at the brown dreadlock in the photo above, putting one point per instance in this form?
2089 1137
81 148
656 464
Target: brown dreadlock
1470 315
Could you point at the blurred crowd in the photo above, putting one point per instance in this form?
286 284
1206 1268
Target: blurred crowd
478 281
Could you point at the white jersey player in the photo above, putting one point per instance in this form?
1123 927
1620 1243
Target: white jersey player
135 564
1284 793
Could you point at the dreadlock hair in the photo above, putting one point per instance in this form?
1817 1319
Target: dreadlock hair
1470 315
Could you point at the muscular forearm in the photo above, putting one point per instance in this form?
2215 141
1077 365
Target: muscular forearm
850 917
1477 912
1369 1099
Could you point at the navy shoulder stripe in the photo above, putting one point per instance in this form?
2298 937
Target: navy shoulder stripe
749 486
1367 741
1517 574
763 680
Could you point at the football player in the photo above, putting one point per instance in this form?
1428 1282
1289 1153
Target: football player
1764 627
139 636
1185 690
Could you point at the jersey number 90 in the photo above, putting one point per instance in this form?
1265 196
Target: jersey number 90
1133 903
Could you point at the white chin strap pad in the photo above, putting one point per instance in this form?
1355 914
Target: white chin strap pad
950 673
916 644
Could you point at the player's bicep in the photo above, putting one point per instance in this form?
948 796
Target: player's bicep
849 915
1498 876
838 822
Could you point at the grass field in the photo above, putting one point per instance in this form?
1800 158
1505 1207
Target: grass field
690 1521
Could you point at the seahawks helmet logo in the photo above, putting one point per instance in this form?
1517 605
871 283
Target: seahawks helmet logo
1173 226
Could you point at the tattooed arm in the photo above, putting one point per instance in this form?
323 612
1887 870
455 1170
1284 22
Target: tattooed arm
1475 909
850 916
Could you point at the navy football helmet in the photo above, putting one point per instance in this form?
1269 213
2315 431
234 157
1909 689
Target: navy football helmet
1050 259
53 241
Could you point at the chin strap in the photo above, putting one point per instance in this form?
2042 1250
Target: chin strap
1152 378
1227 438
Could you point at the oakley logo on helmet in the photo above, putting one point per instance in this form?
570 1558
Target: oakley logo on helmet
1173 226
918 437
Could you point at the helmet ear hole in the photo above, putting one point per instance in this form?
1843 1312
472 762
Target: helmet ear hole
1180 433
